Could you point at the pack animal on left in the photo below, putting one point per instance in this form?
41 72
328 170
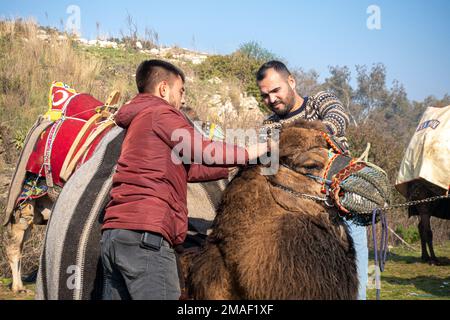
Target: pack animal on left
57 144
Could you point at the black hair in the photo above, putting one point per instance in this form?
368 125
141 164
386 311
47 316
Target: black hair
151 72
278 66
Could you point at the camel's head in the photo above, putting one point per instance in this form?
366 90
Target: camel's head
303 151
312 163
304 148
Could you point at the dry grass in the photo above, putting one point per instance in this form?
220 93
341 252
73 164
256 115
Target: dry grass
28 65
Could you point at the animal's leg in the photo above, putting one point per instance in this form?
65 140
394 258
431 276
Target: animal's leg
423 240
42 210
429 238
18 232
434 260
209 279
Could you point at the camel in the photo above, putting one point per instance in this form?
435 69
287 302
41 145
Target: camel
296 233
267 243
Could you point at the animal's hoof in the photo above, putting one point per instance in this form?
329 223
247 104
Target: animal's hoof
434 262
21 291
425 259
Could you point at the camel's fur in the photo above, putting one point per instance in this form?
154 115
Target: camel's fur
267 244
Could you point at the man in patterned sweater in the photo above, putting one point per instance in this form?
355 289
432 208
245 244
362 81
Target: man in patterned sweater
278 91
277 86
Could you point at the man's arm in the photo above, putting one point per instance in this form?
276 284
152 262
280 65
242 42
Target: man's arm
332 113
172 127
201 173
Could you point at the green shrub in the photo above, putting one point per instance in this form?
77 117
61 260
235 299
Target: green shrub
409 234
241 65
19 138
255 51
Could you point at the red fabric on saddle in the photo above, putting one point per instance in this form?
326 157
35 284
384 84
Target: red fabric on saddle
79 108
60 94
82 106
61 145
66 100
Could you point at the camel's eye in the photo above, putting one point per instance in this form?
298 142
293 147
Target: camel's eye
312 166
309 161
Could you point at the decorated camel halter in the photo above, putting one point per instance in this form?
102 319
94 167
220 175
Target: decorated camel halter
355 188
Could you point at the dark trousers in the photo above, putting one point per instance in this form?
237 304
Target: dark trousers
135 271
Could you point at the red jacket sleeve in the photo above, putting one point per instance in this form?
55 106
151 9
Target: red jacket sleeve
190 145
201 173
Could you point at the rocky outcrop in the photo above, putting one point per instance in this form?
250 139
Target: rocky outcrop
224 106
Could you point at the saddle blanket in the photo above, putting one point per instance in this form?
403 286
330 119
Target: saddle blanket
428 154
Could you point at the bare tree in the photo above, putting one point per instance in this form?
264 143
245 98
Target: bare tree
371 93
151 38
130 37
307 82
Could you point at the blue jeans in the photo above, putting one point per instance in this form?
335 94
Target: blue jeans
359 235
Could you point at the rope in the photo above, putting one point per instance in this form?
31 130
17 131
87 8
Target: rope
48 150
384 240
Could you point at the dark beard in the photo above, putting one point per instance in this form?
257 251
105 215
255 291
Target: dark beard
289 104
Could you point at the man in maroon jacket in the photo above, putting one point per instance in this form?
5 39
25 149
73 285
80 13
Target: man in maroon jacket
147 215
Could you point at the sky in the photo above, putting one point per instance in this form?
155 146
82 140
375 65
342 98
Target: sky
411 37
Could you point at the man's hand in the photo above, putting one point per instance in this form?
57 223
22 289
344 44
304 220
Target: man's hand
232 172
257 150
